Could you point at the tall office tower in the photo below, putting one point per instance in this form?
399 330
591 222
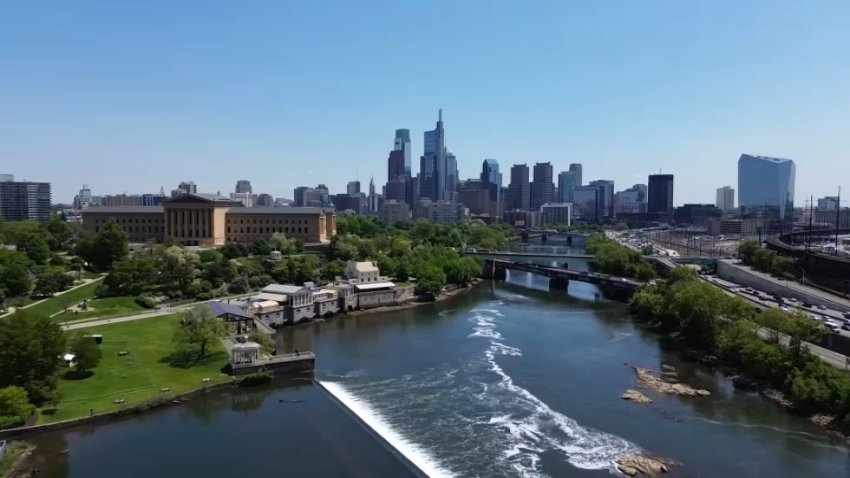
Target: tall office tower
767 182
402 143
519 189
566 186
491 180
243 186
575 168
450 192
432 171
725 198
586 204
24 200
265 200
631 201
298 194
353 187
542 188
606 200
660 194
83 199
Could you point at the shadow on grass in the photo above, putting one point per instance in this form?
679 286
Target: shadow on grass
190 358
77 374
49 411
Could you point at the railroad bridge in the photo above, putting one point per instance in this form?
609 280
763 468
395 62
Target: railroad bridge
613 287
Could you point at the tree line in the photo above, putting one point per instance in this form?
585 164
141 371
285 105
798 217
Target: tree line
610 257
703 317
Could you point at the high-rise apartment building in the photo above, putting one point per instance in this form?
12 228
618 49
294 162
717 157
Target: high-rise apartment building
24 200
566 185
519 189
606 199
767 182
725 198
243 186
660 194
542 188
575 168
84 198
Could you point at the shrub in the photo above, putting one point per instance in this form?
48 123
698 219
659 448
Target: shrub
254 379
146 301
204 296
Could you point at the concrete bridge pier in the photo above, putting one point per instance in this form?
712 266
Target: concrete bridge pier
493 272
559 283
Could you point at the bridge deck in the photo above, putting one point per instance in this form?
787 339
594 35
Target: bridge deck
572 275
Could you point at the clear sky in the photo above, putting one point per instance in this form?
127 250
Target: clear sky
131 96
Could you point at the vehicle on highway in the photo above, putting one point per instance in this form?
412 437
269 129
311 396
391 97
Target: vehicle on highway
846 321
846 327
847 315
785 308
821 307
790 299
807 305
833 326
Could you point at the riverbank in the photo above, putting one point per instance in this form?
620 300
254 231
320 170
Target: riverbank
443 297
14 454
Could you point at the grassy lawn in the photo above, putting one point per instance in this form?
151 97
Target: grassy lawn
90 275
138 376
106 307
59 302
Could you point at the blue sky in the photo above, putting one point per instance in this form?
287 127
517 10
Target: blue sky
131 96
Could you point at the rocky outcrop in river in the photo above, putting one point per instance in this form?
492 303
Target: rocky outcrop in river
635 396
639 465
645 379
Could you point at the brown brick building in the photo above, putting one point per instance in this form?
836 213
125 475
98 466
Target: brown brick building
210 220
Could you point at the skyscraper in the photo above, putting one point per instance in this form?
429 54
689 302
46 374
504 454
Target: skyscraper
725 198
542 188
606 198
491 180
402 143
353 187
437 175
519 190
24 200
765 181
575 168
660 194
586 203
566 185
243 186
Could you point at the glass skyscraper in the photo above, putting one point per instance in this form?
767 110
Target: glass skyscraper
767 182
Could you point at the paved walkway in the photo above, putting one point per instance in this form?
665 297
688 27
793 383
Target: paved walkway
82 324
12 310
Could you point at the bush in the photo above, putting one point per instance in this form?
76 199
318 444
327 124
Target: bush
145 301
204 296
254 379
15 407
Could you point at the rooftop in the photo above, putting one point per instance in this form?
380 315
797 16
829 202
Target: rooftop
285 289
374 286
365 266
123 209
221 308
767 158
274 210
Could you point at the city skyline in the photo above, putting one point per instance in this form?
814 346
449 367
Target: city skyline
158 103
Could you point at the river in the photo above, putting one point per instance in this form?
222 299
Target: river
506 380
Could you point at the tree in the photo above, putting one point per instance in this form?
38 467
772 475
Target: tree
86 352
261 248
51 282
35 248
462 270
132 275
30 351
15 407
60 232
430 279
176 269
198 330
332 270
263 339
747 251
14 276
233 250
108 245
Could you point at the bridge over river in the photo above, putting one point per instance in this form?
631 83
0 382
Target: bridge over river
619 288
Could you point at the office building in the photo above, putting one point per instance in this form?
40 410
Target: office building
402 143
210 220
185 187
556 213
575 168
264 200
519 189
631 200
828 203
586 203
352 203
696 214
475 196
433 172
353 187
542 187
84 198
725 199
243 186
312 197
606 199
660 192
397 189
24 200
566 185
765 182
491 180
393 212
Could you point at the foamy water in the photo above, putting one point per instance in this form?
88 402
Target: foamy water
533 427
414 453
